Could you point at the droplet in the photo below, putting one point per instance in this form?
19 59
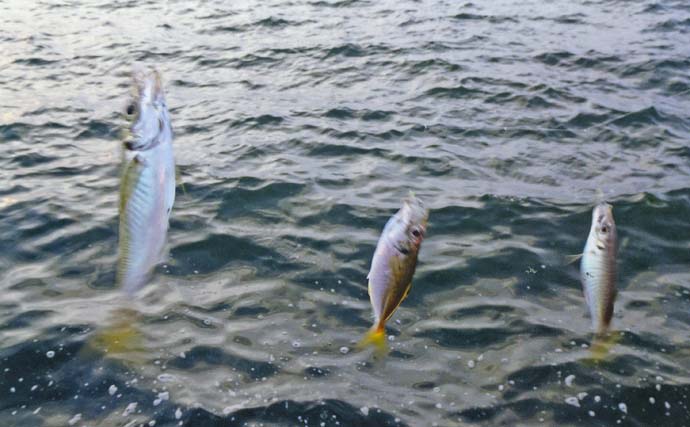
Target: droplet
75 419
131 407
569 380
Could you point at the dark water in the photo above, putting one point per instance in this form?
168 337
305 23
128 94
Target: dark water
300 126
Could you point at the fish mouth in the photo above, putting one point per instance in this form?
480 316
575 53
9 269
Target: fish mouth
417 212
147 83
603 212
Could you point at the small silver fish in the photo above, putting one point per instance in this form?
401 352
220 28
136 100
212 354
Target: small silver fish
598 267
393 265
147 189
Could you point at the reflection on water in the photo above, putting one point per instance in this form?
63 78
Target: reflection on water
299 127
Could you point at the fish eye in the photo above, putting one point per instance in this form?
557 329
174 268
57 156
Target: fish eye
130 109
604 229
416 233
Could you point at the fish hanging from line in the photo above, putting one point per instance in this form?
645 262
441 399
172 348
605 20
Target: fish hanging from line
598 268
393 265
147 188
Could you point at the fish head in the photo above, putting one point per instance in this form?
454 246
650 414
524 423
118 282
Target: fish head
147 111
414 216
603 225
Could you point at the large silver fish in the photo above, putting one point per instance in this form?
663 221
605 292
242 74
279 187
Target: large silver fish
147 189
393 265
598 267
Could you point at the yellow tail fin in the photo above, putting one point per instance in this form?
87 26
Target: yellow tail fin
121 339
601 345
376 337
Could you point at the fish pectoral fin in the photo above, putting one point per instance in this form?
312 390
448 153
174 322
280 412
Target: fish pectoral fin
164 257
178 179
569 259
624 244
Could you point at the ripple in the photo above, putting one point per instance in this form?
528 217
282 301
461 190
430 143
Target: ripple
457 92
188 256
491 19
329 412
346 50
300 126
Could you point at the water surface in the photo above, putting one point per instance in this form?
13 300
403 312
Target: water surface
300 125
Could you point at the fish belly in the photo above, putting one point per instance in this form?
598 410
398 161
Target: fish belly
594 282
144 222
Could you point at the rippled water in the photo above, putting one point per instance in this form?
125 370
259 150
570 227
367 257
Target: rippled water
300 126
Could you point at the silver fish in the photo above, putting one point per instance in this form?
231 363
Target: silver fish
598 267
147 189
394 264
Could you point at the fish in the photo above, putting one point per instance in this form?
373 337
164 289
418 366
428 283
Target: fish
598 268
147 186
393 265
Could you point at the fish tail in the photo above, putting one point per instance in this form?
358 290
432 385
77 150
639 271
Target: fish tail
376 337
121 338
602 344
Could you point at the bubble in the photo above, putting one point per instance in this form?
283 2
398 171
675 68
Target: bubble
50 354
344 350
